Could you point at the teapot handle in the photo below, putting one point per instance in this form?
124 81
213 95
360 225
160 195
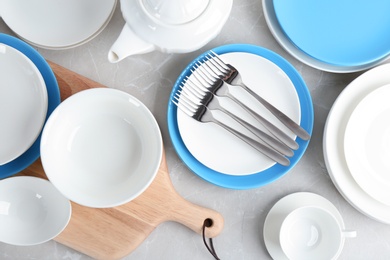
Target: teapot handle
128 43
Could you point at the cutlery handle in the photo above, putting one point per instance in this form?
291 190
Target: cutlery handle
270 153
279 134
276 144
294 127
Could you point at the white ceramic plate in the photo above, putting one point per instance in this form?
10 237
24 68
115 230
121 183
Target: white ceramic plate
280 210
23 103
367 144
101 147
57 24
290 47
333 142
32 211
221 151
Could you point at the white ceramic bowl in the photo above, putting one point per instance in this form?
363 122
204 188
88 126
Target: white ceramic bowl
101 147
23 103
32 211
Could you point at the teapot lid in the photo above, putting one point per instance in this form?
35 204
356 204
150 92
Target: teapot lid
175 12
176 25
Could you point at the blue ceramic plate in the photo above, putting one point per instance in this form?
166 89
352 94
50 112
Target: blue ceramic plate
256 179
343 33
54 100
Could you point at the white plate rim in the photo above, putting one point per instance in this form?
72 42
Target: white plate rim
377 189
43 107
333 140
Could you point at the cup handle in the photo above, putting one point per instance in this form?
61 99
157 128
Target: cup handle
349 233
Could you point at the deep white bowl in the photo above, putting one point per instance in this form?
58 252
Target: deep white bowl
101 147
23 103
32 211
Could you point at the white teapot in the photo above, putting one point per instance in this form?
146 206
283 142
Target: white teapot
173 26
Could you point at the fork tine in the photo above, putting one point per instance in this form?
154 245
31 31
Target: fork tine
219 60
189 90
201 77
212 69
208 73
200 88
192 106
182 107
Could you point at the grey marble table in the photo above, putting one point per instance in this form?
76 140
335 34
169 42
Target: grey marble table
150 78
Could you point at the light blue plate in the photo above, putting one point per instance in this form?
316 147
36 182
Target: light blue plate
53 93
257 179
337 32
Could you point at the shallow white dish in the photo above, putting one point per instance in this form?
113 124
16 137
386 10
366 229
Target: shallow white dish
57 24
290 47
282 208
333 142
23 103
101 147
367 144
236 157
32 211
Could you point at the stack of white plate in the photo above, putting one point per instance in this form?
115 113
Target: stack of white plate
28 94
335 36
357 143
57 24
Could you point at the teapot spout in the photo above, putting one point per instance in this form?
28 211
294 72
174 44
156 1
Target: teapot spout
127 44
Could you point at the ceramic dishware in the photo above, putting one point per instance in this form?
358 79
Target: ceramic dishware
28 157
57 24
32 211
367 144
169 26
286 205
299 54
235 165
333 31
23 103
312 232
334 138
101 147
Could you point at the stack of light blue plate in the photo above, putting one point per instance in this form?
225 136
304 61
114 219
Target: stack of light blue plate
331 35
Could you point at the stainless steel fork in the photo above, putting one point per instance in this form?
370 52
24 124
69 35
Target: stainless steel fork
192 90
231 75
202 114
217 86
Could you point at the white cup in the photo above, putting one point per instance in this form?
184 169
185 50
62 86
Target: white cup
312 233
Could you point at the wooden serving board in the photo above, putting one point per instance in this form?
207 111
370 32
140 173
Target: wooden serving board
113 233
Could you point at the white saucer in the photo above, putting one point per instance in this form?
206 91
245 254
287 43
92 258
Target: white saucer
367 144
57 24
218 149
333 142
279 211
290 47
23 103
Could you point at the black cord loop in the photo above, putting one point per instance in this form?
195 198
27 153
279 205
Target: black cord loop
208 223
